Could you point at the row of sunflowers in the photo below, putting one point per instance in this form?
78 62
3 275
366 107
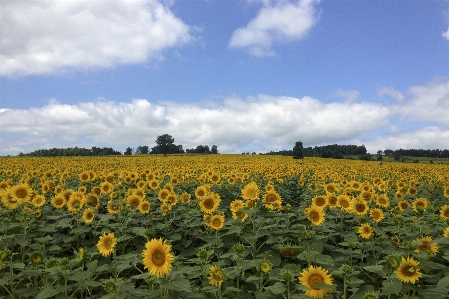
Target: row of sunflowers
222 226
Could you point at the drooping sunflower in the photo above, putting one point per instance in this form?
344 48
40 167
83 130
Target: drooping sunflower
239 215
403 205
21 192
377 215
251 191
315 214
425 245
420 204
365 231
185 197
216 276
444 213
217 222
359 206
106 244
88 215
236 205
38 214
144 207
312 278
446 232
408 271
157 257
209 203
165 208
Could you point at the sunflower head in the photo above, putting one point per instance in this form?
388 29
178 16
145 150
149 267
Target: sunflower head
265 266
157 257
217 222
216 276
365 231
250 191
312 277
408 271
106 244
315 215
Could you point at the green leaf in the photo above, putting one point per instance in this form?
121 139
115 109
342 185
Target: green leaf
180 285
443 282
277 288
393 287
375 269
48 292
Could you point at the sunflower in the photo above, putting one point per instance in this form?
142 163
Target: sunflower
239 215
157 257
344 202
172 198
84 176
331 188
359 206
320 201
58 201
165 208
113 208
75 203
332 200
21 192
420 204
133 200
383 201
313 277
236 205
403 205
38 201
315 215
446 232
425 245
201 191
154 184
216 276
106 187
91 200
163 194
38 214
106 244
408 271
217 222
209 203
412 191
377 215
250 191
444 213
265 266
8 201
446 192
354 185
365 231
185 197
144 207
88 215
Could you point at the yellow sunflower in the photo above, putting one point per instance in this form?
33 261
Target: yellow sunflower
383 201
113 208
408 271
315 215
58 201
420 204
425 245
359 206
332 200
88 215
377 215
403 205
312 278
239 215
216 276
8 201
163 194
165 208
331 188
237 205
38 201
185 197
154 184
365 231
444 213
209 203
320 201
344 202
446 192
201 191
91 200
446 232
106 187
250 191
21 192
157 257
144 207
217 222
265 266
75 202
133 200
106 244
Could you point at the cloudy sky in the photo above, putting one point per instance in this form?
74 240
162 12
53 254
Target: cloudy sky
254 75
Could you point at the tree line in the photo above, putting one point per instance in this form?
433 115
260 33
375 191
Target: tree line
72 151
327 151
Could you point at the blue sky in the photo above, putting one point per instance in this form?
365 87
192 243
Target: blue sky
254 75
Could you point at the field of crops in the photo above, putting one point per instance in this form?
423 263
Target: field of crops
222 226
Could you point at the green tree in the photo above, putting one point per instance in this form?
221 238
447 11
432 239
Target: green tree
128 151
142 150
165 145
214 149
297 150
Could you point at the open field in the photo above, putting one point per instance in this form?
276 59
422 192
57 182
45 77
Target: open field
223 226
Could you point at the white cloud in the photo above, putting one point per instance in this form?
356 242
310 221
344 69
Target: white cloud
264 122
42 37
384 90
351 95
429 102
279 22
446 34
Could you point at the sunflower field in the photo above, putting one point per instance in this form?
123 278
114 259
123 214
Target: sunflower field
222 226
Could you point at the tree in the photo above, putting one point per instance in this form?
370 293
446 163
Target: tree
297 150
214 149
379 155
165 145
142 150
128 151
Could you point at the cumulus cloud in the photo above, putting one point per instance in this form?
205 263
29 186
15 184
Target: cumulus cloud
42 37
429 102
351 95
264 122
390 91
281 21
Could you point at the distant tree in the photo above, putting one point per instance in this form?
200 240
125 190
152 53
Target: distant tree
165 145
388 152
128 151
379 155
397 155
297 150
142 150
214 149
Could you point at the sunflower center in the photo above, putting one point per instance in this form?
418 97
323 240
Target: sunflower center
314 280
424 246
209 203
446 212
158 258
408 270
200 193
360 207
320 201
216 222
21 193
314 216
344 203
